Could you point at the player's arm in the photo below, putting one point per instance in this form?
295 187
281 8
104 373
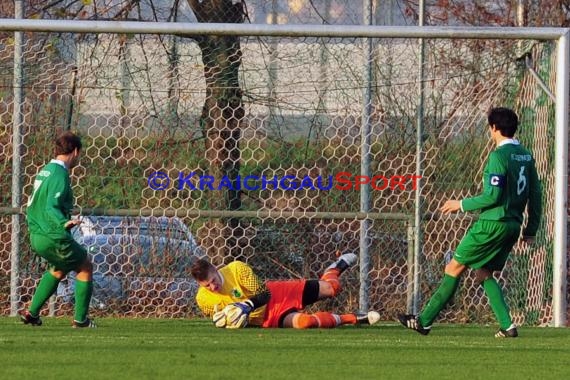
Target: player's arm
494 182
238 312
251 282
534 205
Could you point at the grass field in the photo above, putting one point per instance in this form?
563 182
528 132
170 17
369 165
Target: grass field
194 349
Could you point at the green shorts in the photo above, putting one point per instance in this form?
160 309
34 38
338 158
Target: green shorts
62 255
487 244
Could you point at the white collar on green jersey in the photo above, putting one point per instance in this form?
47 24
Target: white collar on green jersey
509 141
59 162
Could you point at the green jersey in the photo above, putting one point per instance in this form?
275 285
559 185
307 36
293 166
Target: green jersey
49 207
510 183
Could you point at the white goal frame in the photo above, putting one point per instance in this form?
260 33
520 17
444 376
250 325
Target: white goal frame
560 35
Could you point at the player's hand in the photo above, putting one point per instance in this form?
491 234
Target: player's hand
450 206
219 317
71 223
237 314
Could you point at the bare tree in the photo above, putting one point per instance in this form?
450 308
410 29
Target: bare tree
494 12
223 109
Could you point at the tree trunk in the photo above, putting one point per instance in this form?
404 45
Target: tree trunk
223 110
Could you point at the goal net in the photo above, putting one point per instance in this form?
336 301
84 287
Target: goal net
258 143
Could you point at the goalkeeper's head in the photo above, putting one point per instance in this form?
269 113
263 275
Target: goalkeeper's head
206 275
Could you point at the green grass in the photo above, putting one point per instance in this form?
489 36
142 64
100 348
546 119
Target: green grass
194 349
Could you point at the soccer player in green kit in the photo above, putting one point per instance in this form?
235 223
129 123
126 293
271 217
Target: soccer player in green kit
510 184
49 222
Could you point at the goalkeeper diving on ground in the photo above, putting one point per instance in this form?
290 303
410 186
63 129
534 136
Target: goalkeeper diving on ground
235 297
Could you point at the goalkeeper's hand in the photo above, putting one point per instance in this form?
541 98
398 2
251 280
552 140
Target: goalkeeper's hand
237 314
219 317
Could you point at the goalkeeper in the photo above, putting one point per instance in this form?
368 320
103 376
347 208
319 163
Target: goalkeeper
234 297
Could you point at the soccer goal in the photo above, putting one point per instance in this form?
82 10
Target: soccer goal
280 145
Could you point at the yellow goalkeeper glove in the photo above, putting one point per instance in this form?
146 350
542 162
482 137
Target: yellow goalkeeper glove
237 314
219 317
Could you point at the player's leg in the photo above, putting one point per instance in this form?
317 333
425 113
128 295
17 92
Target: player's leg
83 287
47 286
443 294
324 319
492 288
329 282
300 320
437 301
448 286
312 293
289 298
498 304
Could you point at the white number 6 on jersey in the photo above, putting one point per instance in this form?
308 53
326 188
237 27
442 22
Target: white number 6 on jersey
521 182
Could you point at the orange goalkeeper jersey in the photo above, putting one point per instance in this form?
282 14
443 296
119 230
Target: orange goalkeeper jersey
239 284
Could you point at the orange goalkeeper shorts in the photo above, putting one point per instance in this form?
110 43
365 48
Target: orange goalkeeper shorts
286 296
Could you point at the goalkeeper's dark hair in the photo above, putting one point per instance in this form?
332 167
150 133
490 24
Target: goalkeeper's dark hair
200 269
504 119
66 143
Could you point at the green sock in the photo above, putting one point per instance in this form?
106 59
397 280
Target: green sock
438 300
46 287
497 301
83 291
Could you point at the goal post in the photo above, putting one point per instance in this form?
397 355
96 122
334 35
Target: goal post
141 101
560 286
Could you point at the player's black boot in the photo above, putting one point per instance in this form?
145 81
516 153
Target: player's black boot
29 319
511 332
411 321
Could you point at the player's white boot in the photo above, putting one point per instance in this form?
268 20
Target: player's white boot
369 318
344 261
86 323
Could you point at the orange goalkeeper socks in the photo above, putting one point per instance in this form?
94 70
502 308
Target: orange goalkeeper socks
348 319
331 276
321 319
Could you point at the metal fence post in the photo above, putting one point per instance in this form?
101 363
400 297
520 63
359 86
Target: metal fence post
17 121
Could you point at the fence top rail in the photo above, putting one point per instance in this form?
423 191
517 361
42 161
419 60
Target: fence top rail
226 213
290 30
